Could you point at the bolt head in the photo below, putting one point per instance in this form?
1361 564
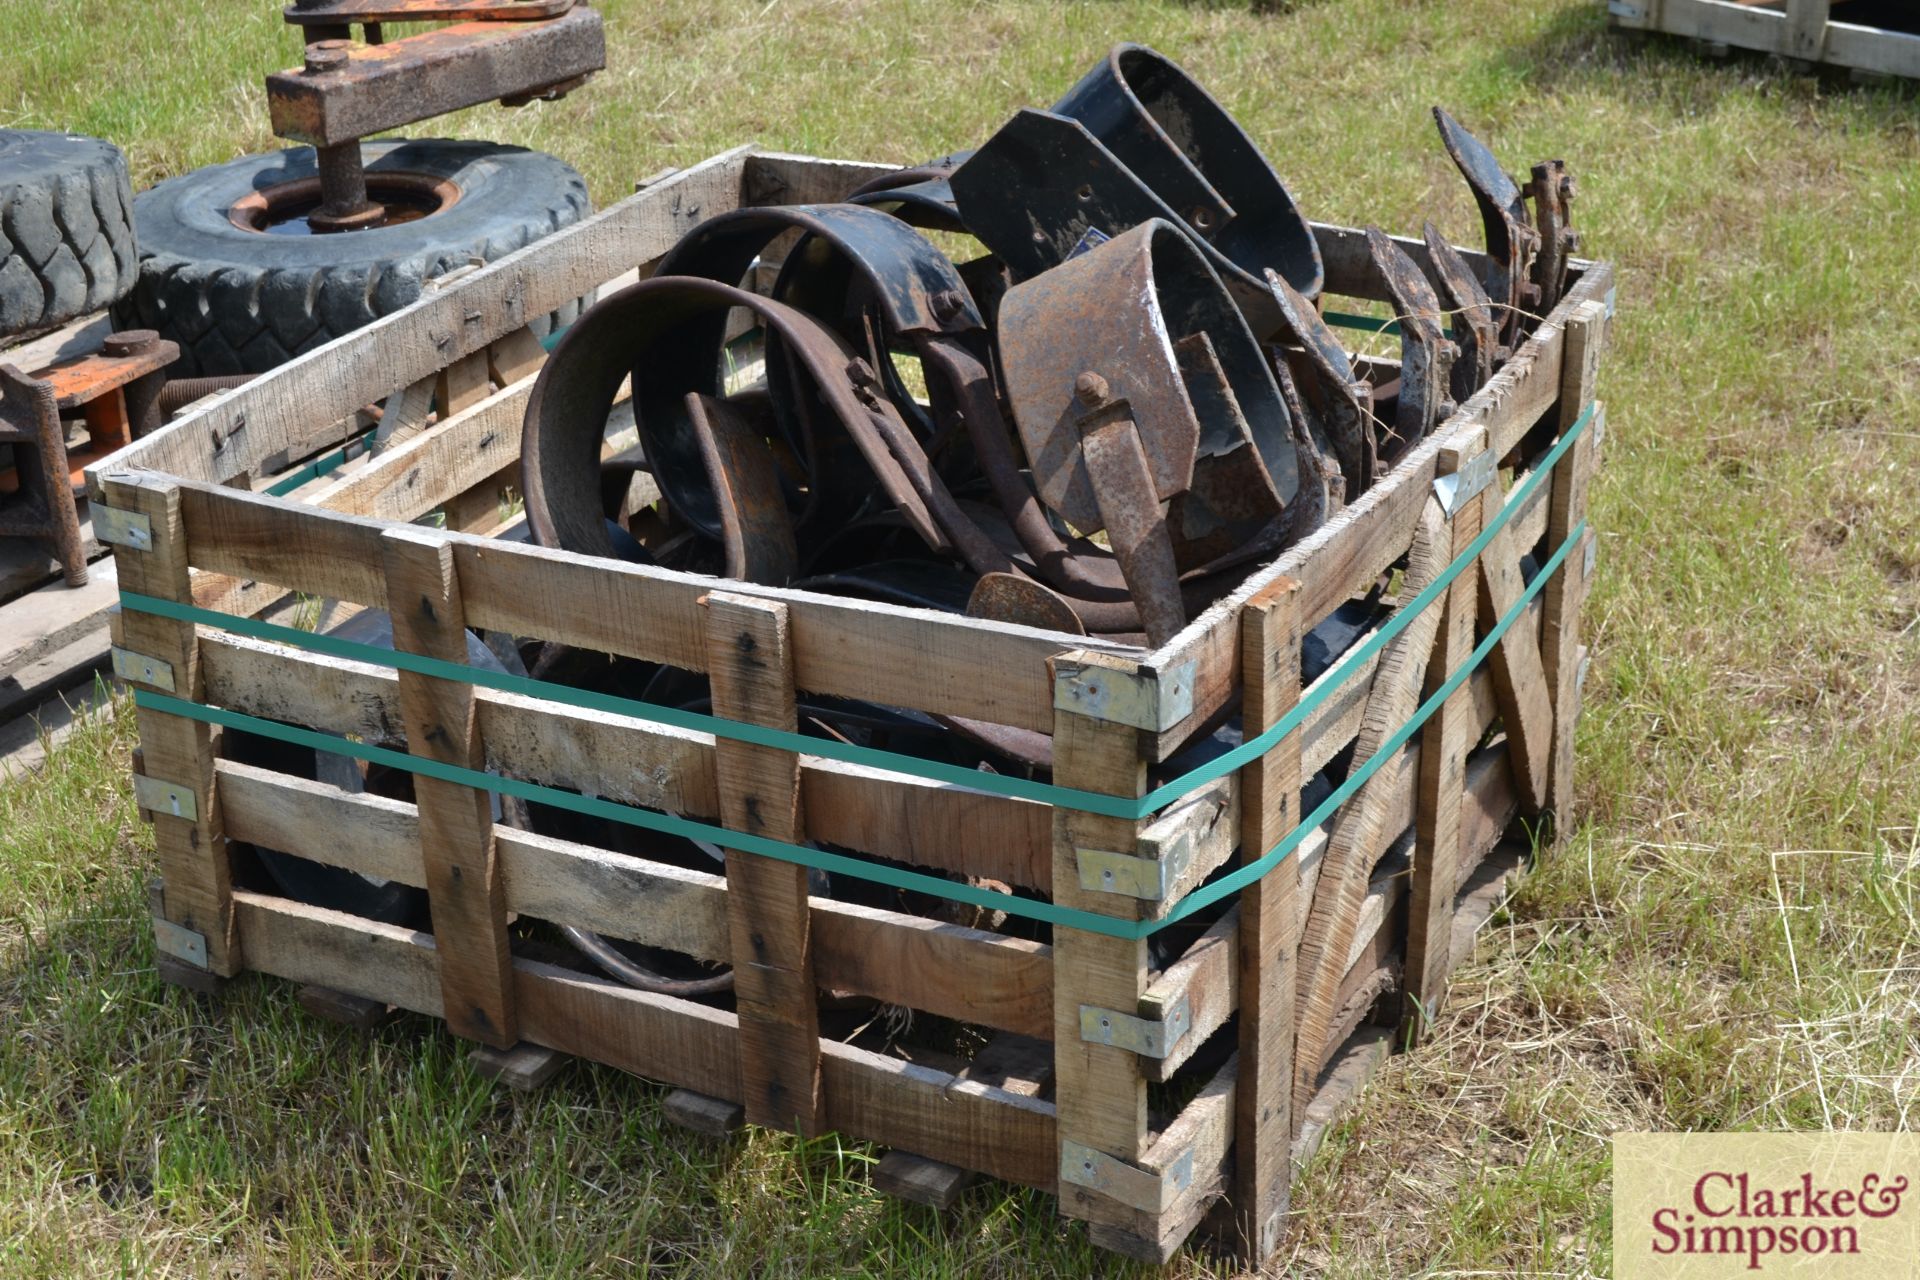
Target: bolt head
327 55
129 342
1091 388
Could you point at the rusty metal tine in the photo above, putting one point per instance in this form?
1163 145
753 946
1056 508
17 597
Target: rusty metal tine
1135 519
753 511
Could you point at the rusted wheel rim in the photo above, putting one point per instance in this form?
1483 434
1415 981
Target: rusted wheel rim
283 208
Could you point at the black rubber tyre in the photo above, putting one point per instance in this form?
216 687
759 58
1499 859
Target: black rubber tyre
243 301
66 228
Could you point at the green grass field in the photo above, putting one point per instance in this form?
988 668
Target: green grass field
1727 940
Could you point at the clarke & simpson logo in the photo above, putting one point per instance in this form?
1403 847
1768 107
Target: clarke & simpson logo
1826 1204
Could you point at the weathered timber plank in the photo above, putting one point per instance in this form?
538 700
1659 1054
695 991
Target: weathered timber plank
1099 1092
750 657
935 1115
918 1180
1357 828
714 1117
523 1068
191 848
1444 742
455 822
966 974
1268 925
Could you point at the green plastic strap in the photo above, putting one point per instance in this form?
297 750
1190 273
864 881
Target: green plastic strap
317 468
588 700
1372 324
858 869
1240 879
669 824
912 766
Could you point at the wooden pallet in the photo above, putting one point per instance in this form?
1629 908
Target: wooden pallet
1808 32
1142 1094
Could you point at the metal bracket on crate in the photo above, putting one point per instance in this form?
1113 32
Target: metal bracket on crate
121 528
180 942
1102 871
1455 490
169 798
140 669
1150 1038
1592 555
1126 1182
1599 425
1148 700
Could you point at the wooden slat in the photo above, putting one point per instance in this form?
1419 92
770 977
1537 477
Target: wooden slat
1099 1092
918 1180
969 975
750 658
1202 1133
1565 594
192 851
515 356
1444 742
1343 876
234 433
1269 925
1207 976
456 823
1519 682
934 1114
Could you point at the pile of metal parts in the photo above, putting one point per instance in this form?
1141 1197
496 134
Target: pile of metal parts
1096 419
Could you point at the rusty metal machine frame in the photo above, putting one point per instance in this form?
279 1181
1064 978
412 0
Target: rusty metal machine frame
117 391
513 52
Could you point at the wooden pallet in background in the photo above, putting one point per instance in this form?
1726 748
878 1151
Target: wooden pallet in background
1144 1090
1835 33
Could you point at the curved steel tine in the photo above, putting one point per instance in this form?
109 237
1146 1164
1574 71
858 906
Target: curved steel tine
1511 239
1338 404
1474 327
1426 355
757 531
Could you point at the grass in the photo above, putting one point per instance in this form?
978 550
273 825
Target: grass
1727 940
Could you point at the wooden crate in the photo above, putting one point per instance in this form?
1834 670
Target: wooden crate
1144 1095
1801 31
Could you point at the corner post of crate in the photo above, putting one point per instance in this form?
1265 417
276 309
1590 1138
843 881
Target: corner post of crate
750 663
194 927
1444 742
1565 595
463 876
1100 1091
1269 925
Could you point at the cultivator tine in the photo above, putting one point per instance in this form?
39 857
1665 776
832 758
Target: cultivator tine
1512 242
1475 328
1552 191
1426 354
1338 406
757 530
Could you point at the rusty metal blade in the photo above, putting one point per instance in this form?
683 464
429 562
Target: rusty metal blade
1474 327
758 532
